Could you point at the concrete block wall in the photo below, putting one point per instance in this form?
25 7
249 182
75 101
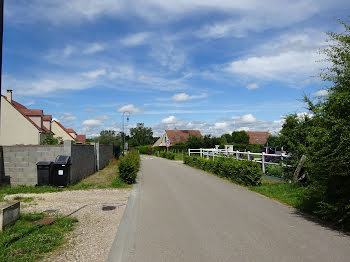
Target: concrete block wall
83 162
19 162
105 153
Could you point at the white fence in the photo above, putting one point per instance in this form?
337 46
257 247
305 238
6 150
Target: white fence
264 158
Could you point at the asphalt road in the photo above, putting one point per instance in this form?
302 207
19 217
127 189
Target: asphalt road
177 213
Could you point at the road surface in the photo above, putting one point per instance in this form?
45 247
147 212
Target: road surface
178 213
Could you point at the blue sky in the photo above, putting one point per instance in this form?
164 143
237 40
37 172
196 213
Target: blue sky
216 66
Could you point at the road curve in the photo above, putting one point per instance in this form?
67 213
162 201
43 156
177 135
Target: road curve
178 213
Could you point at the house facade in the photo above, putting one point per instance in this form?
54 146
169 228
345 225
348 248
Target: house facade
60 131
23 126
258 137
20 125
176 136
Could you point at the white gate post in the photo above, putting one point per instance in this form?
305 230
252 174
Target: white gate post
237 154
248 155
214 154
189 152
263 161
201 152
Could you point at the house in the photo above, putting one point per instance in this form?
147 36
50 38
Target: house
258 137
81 139
20 125
61 131
176 136
72 133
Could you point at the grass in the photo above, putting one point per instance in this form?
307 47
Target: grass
290 194
25 241
105 178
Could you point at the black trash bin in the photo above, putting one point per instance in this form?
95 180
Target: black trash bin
44 172
61 171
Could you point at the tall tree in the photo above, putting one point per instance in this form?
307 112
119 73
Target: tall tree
240 137
330 150
141 135
109 137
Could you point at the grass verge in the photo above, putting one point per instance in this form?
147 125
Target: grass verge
290 194
25 241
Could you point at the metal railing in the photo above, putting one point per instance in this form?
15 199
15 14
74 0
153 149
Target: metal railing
264 160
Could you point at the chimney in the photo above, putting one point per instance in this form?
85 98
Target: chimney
9 95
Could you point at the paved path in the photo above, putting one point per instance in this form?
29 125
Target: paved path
177 213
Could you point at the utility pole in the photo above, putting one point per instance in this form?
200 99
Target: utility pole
1 40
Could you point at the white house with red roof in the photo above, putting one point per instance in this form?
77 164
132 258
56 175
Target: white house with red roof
60 131
23 126
20 125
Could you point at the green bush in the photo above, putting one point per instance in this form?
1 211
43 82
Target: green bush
168 155
242 172
143 149
129 166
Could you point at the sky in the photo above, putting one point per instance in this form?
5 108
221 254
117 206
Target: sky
216 66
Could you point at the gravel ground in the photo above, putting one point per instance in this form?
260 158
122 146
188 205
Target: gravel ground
93 236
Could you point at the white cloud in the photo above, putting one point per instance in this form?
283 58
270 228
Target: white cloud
95 73
253 86
220 125
185 97
321 93
129 108
249 118
93 48
92 123
135 39
283 66
169 120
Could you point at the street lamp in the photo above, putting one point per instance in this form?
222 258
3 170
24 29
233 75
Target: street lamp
127 113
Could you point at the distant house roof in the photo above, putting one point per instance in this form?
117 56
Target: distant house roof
64 129
81 139
69 130
178 136
47 117
258 137
27 112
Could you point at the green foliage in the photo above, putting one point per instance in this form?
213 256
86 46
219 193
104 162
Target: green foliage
141 135
129 166
329 154
25 241
242 172
144 149
274 141
50 140
168 155
240 137
109 137
272 170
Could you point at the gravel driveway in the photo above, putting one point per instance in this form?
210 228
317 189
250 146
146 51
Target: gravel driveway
92 238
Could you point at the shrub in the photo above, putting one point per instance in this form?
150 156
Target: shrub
129 166
242 172
143 149
168 155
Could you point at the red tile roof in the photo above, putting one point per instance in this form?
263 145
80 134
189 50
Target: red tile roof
178 136
47 117
71 131
32 112
258 137
81 138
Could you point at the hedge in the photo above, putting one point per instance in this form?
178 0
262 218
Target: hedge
242 172
144 149
129 166
168 155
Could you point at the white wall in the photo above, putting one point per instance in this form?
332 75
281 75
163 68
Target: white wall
15 128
